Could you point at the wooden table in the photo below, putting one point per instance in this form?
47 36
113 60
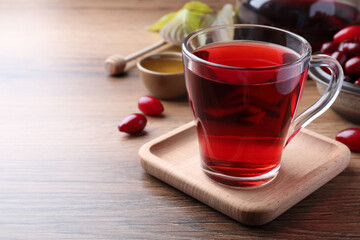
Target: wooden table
65 170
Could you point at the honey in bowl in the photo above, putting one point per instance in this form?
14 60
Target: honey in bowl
163 75
163 65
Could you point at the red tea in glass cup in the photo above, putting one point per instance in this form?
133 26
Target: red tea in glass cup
244 84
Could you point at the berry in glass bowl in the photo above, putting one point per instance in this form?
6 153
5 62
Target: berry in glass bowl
345 47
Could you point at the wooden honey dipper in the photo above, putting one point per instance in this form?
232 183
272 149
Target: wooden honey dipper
116 64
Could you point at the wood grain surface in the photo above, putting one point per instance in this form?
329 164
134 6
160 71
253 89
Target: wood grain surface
65 170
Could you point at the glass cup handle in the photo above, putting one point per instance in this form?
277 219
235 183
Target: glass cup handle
326 100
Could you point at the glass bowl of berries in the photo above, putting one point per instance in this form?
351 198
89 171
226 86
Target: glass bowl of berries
345 48
316 20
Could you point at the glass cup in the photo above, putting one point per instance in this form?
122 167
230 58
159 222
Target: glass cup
244 84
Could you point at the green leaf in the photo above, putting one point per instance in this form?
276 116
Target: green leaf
207 19
197 7
162 22
190 9
175 26
190 22
173 31
224 16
